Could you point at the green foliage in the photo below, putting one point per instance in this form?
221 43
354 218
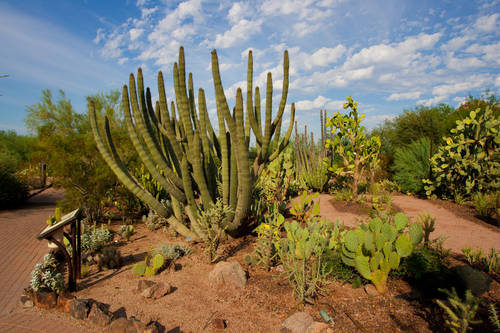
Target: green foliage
109 258
469 162
94 239
460 312
412 165
350 142
268 237
46 277
494 317
152 264
154 221
304 250
63 137
343 194
485 204
305 209
12 190
489 262
126 231
427 221
172 251
377 248
212 226
412 125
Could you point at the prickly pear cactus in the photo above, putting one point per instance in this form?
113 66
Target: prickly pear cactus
377 248
150 266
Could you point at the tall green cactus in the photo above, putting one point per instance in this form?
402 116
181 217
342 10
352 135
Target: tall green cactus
376 249
182 152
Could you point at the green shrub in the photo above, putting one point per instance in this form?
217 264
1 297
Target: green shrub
469 162
45 276
12 190
461 313
94 239
212 225
172 251
412 165
485 204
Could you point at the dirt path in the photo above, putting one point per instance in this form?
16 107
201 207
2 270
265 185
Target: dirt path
461 230
20 252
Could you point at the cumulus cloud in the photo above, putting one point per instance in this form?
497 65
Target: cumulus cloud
135 33
402 96
239 33
487 23
239 11
319 102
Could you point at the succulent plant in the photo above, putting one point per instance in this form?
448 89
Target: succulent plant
151 265
377 248
109 258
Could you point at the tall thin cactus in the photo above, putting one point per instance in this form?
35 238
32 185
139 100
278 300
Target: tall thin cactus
182 152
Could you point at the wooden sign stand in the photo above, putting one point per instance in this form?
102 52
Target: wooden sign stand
74 260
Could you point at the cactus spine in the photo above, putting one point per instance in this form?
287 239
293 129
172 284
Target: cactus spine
183 153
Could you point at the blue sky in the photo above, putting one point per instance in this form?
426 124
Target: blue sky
389 55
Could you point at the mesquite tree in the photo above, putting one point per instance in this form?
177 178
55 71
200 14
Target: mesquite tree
349 141
181 150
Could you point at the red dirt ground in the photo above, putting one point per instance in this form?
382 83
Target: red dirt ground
259 307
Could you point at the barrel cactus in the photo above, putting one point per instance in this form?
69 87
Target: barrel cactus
377 248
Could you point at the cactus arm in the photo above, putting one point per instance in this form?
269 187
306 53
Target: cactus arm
192 105
182 97
233 184
286 139
249 106
257 131
146 132
224 146
188 188
143 153
198 174
208 154
244 177
268 125
284 93
108 152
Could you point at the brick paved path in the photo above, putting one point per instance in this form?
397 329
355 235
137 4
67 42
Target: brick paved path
19 252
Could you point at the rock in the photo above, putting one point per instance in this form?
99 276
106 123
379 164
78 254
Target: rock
219 323
45 300
120 325
280 269
26 301
162 289
297 323
228 273
148 293
318 327
144 284
370 290
64 302
99 316
79 308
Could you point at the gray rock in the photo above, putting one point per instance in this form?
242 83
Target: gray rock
99 316
228 273
79 308
144 284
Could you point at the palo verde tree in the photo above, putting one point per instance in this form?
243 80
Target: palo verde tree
181 150
349 141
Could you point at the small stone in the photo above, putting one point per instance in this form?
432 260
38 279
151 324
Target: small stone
297 323
318 327
120 325
370 290
79 309
64 302
99 316
149 292
219 323
45 300
162 289
228 273
280 269
26 301
144 284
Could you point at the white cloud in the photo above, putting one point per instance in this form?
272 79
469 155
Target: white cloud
135 33
239 33
324 56
402 96
463 64
474 81
492 52
487 23
239 11
400 54
304 28
497 81
320 102
432 101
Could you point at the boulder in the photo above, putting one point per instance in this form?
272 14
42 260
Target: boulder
45 300
64 302
225 273
79 308
318 327
99 315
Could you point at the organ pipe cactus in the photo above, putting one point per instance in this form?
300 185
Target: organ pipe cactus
182 152
378 247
